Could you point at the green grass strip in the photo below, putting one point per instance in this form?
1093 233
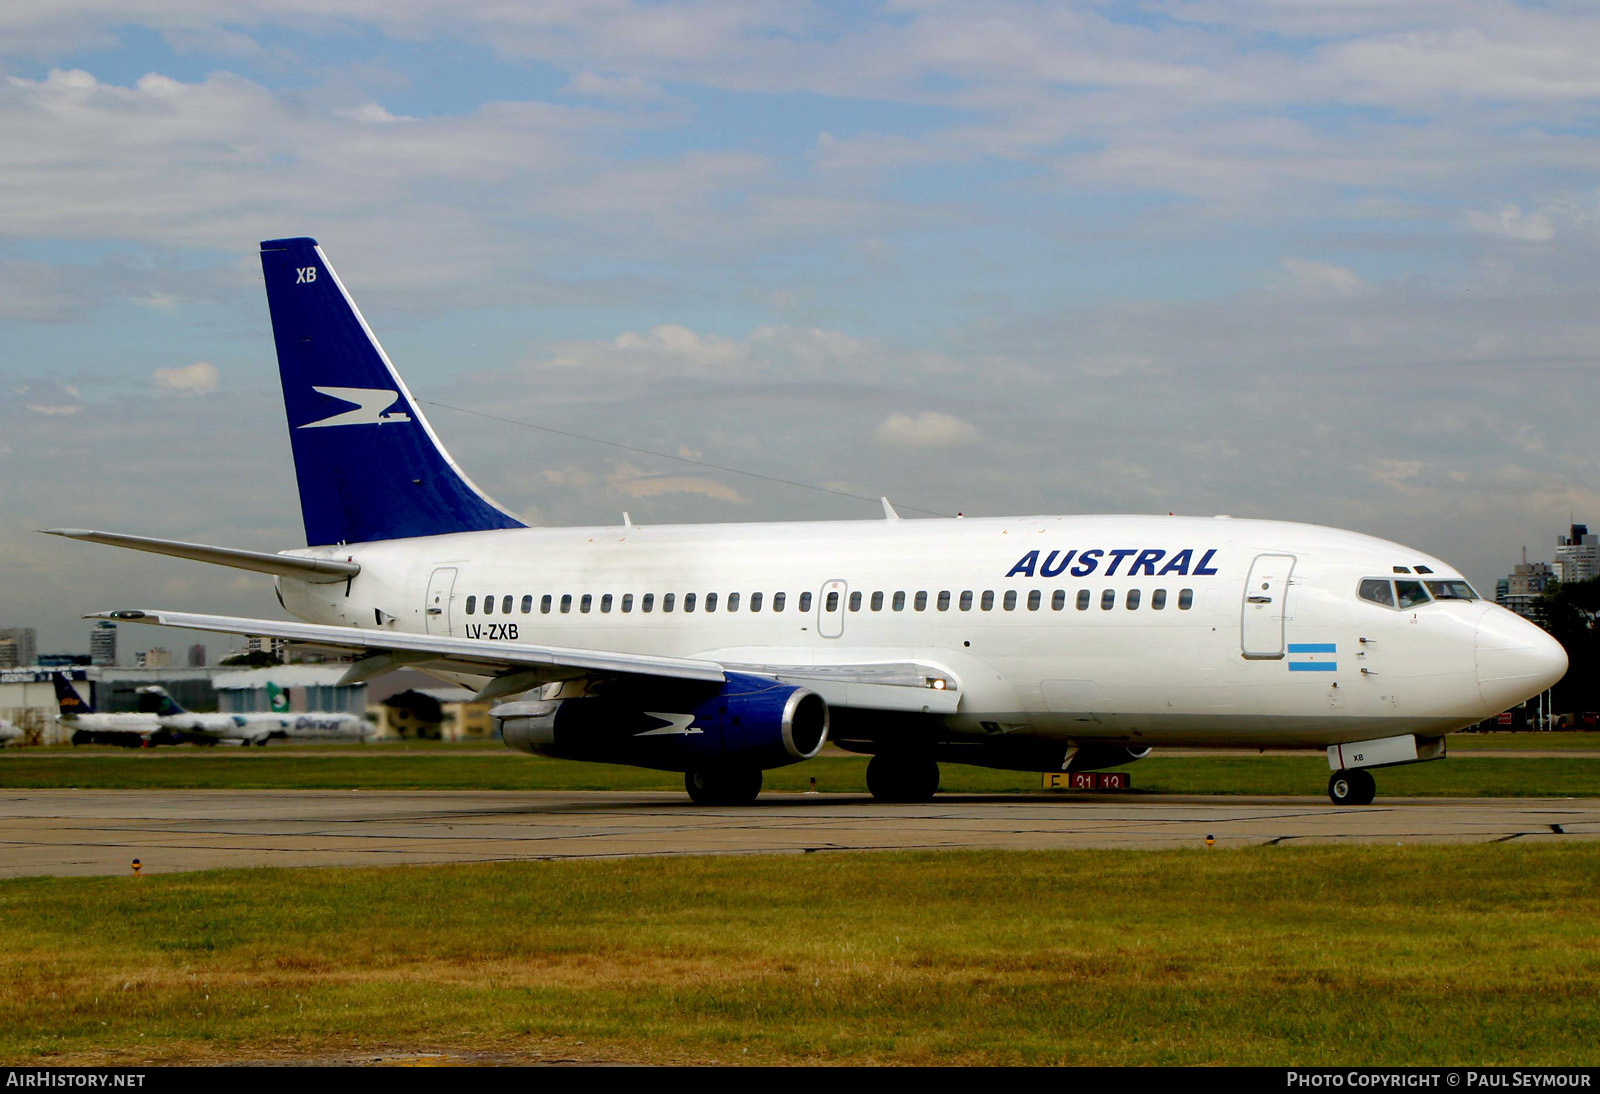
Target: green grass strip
1441 955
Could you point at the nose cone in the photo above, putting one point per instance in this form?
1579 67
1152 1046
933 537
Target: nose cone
1516 659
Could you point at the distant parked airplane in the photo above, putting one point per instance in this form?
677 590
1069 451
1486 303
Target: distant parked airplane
248 729
90 726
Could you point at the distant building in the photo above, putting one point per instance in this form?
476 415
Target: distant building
157 658
197 656
1577 555
103 644
274 646
18 646
1524 586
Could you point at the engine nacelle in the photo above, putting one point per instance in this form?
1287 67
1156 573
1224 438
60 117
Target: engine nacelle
1096 757
752 721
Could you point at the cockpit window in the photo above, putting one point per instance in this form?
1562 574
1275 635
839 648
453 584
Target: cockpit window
1378 590
1451 590
1411 593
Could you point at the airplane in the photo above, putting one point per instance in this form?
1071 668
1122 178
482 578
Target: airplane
91 726
1033 643
247 729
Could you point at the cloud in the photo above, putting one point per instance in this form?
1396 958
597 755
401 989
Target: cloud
1511 222
930 429
199 378
1322 278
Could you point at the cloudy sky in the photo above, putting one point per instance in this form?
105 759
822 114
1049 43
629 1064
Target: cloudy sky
1321 260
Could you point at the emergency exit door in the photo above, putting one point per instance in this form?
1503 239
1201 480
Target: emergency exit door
1266 596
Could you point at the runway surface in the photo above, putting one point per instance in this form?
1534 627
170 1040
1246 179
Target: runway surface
67 832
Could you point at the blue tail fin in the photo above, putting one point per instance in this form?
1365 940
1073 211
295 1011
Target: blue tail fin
154 699
368 464
68 702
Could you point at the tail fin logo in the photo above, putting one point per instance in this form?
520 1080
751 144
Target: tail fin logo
372 407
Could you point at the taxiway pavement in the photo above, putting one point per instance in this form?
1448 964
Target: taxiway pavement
67 832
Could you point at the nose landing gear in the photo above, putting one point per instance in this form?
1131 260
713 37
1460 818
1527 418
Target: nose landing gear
1353 787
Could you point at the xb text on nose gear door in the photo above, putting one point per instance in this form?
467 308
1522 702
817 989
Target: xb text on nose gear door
830 610
437 609
1266 595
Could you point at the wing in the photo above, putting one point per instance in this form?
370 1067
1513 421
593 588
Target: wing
515 667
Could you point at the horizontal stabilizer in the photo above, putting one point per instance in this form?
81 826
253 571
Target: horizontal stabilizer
316 570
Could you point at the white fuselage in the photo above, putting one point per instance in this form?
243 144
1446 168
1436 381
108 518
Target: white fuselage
252 728
1146 632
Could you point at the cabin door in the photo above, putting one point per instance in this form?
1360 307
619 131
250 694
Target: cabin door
830 610
1266 595
436 611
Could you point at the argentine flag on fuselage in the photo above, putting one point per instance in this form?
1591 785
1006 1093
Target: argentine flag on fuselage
368 464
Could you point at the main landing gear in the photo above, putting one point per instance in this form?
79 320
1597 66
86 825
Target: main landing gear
723 785
902 778
1353 787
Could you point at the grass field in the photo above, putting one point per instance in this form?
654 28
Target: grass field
1421 955
1476 769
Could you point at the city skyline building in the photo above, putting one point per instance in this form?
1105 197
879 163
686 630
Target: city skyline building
103 644
1577 555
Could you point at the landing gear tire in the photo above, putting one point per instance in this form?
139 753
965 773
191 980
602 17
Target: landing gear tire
723 786
1355 787
902 778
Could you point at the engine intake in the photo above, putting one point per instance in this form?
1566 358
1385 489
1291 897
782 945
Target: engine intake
750 721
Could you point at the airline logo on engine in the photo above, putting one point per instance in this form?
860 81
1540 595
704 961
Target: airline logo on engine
1141 562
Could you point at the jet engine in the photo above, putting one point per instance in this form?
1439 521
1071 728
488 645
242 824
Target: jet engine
750 722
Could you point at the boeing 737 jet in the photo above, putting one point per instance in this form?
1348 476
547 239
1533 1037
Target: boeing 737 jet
1036 643
247 729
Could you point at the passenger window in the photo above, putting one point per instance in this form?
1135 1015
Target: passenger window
711 602
987 603
544 604
966 600
1083 600
1058 600
688 601
505 606
921 601
566 603
488 605
877 602
1108 600
1035 598
900 601
648 603
755 602
855 602
627 603
805 601
605 603
1378 590
1133 599
1011 600
1185 599
1410 593
733 602
832 602
586 603
667 601
472 604
777 601
1158 599
944 600
527 603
